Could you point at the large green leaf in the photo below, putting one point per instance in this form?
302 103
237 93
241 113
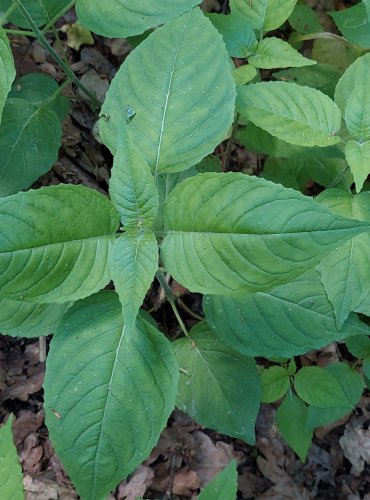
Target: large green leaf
290 320
238 36
26 319
54 243
7 69
41 11
275 53
354 24
30 138
345 272
266 15
358 158
123 18
229 233
182 104
11 485
224 486
296 114
219 388
107 395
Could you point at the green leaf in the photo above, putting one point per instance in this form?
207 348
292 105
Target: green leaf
354 24
352 385
359 346
41 11
291 418
275 53
38 88
337 52
304 20
54 243
224 486
290 320
30 138
219 388
366 368
238 36
123 19
132 187
318 387
11 479
345 273
25 319
266 15
244 74
275 383
296 114
133 263
358 158
7 69
222 239
107 395
183 104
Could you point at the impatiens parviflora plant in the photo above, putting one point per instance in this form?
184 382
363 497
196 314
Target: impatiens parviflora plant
262 254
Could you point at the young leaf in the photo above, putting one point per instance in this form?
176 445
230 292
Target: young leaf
238 36
107 395
275 53
289 320
41 11
38 88
291 418
222 238
224 486
345 273
244 74
30 138
123 19
183 104
358 158
54 243
7 69
275 383
218 387
318 387
25 319
11 479
354 24
265 15
296 114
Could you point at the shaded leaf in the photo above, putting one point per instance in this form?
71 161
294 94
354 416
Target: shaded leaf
224 486
238 36
41 11
358 158
304 20
354 24
11 479
244 74
275 383
7 69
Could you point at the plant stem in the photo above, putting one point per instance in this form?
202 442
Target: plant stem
66 68
20 32
4 17
57 92
225 163
189 311
57 16
339 177
171 300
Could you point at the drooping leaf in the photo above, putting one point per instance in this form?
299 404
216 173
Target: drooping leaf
7 69
11 485
238 36
318 387
38 88
266 15
304 20
30 138
345 273
233 233
218 387
54 243
291 418
358 158
107 395
296 114
224 486
290 320
123 19
183 105
275 383
26 319
354 24
273 52
41 11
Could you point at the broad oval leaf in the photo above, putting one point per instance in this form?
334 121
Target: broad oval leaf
275 383
358 158
294 113
122 18
355 77
238 36
41 11
273 52
54 243
219 388
30 138
229 233
224 486
108 395
265 15
182 104
290 320
11 478
26 319
7 69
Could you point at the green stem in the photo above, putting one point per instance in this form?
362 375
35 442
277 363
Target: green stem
171 299
57 92
9 12
339 177
226 161
57 16
20 32
324 35
66 68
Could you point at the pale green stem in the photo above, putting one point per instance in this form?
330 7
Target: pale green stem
20 32
57 16
4 17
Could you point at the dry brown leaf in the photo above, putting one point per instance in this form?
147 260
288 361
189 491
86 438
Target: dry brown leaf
355 444
137 485
284 486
